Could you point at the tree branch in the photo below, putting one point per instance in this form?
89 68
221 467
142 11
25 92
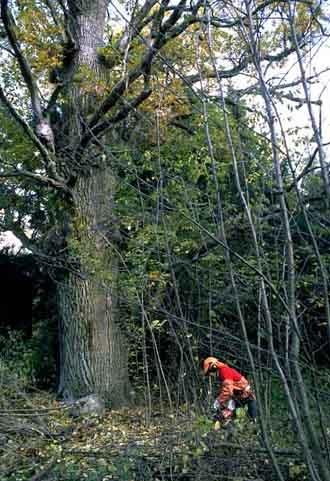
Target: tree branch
27 129
180 125
43 129
143 69
174 17
25 68
298 100
41 179
49 162
121 115
243 63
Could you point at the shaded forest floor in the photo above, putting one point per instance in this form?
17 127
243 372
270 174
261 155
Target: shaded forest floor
39 441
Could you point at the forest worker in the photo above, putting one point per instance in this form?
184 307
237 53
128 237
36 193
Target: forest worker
235 390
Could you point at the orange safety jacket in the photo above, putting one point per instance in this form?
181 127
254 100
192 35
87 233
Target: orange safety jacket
233 385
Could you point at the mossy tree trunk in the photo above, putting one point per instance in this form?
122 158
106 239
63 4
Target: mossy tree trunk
93 354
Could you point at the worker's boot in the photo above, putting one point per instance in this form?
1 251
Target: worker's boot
252 409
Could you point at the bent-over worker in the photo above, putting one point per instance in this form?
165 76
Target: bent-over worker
235 389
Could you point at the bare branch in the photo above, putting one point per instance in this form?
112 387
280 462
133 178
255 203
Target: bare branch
317 134
41 179
298 100
255 89
244 62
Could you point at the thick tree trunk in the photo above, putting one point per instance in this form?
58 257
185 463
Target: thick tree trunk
93 356
93 352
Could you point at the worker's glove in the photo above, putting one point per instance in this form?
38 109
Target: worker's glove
231 405
216 405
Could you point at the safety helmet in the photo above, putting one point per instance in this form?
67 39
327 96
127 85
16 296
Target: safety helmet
209 363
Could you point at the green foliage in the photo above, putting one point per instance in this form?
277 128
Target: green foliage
73 471
25 363
202 425
162 191
17 361
298 471
24 203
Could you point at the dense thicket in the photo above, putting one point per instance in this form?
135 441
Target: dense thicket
151 169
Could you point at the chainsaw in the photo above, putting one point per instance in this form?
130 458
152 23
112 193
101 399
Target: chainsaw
223 415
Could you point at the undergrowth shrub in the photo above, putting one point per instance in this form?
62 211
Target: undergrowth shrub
17 362
26 363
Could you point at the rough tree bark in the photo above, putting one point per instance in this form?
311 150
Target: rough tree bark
93 355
